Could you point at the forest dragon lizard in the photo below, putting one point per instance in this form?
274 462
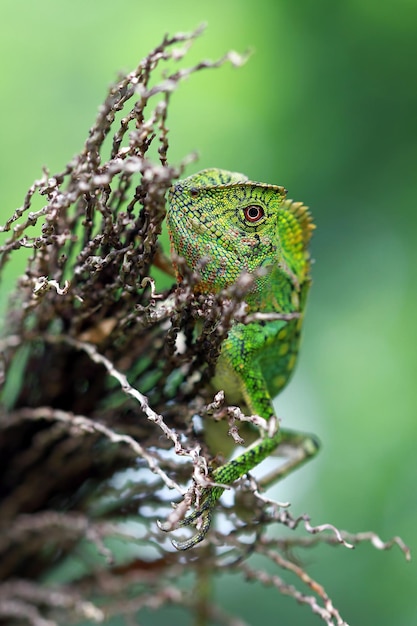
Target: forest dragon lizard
236 226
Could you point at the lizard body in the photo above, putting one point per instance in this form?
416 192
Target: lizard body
224 225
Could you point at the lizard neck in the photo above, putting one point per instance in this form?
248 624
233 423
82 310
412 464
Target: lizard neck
275 292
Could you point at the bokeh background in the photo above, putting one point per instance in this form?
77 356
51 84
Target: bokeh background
327 107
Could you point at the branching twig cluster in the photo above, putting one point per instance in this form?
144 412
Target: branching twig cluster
102 373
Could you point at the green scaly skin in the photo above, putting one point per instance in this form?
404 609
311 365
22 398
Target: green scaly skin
235 226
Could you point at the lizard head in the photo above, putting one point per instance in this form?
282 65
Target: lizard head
223 224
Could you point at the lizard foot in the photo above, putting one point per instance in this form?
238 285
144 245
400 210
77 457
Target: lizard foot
201 517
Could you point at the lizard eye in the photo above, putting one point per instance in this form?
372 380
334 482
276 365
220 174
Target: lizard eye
253 213
194 192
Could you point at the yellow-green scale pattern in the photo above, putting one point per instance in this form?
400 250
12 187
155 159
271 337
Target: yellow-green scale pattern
224 225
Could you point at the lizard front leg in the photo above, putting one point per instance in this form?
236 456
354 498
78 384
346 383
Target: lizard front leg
305 447
240 370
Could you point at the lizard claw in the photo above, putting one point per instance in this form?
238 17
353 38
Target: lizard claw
202 516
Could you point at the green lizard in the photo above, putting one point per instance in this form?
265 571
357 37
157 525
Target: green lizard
235 225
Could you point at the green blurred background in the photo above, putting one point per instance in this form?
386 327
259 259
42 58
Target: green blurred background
326 106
